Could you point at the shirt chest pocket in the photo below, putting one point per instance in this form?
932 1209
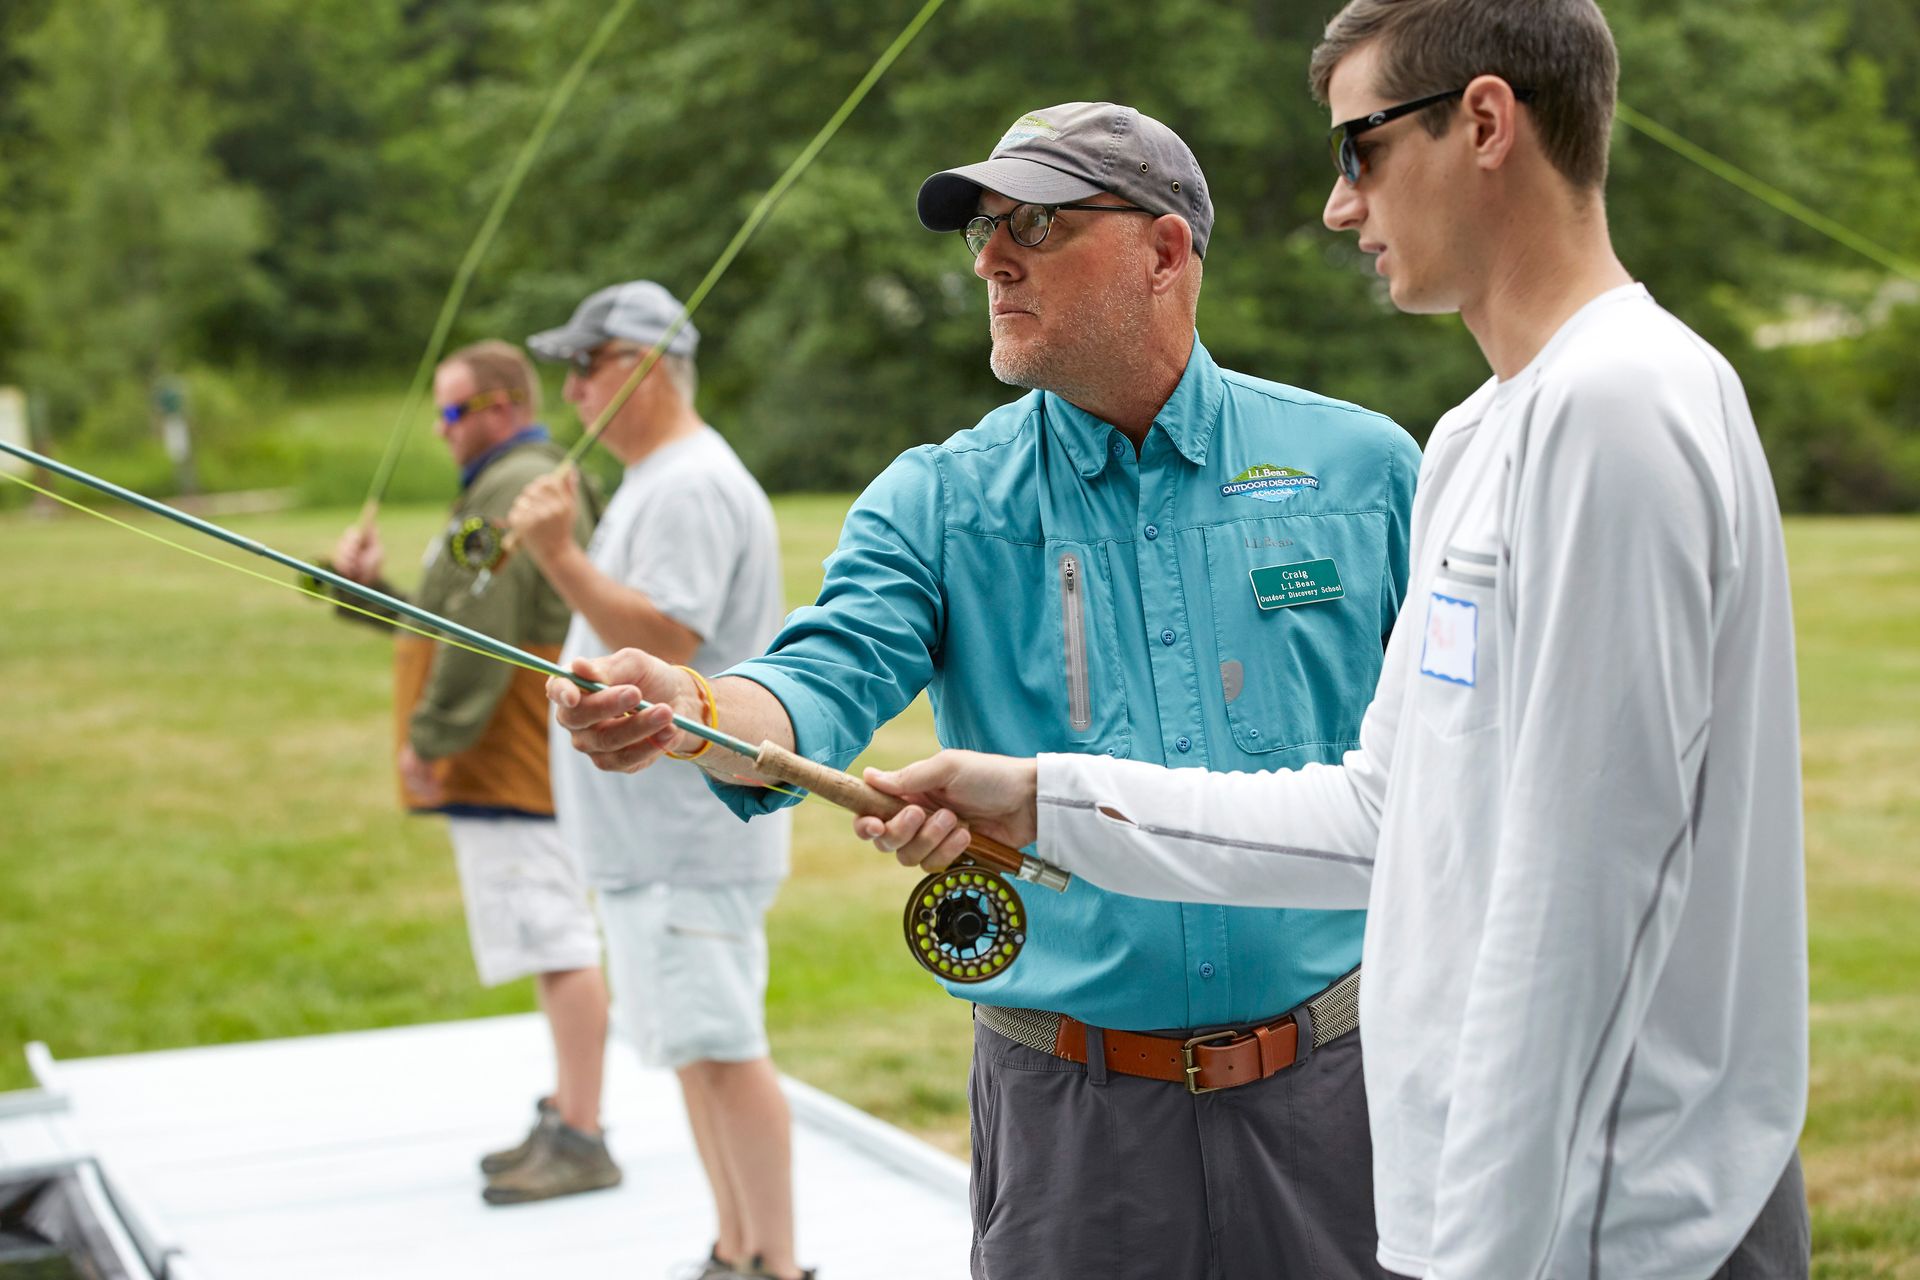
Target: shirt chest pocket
1298 621
1456 688
1086 659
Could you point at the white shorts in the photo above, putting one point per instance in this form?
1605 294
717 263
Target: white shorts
527 908
688 967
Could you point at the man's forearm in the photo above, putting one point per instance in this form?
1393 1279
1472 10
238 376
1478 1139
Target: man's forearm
622 616
1292 838
748 711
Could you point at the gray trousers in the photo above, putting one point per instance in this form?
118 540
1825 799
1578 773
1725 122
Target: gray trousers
1089 1175
1779 1245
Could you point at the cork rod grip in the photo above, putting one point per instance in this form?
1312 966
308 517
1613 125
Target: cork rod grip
851 793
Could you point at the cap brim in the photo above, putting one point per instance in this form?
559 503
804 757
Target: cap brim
564 343
949 198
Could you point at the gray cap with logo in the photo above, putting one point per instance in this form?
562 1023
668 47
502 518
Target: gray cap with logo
639 311
1059 155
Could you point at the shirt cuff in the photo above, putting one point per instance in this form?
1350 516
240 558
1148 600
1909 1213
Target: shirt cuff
432 737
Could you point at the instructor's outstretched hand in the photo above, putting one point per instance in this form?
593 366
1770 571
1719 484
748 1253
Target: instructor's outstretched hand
996 793
604 725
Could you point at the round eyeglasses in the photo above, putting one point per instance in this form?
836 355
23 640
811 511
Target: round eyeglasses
1028 224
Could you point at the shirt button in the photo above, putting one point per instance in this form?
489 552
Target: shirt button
1206 968
1253 733
1153 531
1112 752
1119 446
1183 743
1166 637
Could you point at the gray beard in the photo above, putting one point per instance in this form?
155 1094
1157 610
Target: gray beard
1023 369
1037 371
1075 370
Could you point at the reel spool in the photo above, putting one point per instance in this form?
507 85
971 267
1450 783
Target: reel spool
478 544
965 924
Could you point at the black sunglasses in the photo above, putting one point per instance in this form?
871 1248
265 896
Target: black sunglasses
1346 156
1028 224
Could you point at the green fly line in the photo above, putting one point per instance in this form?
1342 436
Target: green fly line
300 587
323 597
1766 194
563 93
483 240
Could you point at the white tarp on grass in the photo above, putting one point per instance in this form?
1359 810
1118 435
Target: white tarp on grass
353 1155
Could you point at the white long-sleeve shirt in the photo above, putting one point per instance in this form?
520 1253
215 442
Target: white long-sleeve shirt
1574 819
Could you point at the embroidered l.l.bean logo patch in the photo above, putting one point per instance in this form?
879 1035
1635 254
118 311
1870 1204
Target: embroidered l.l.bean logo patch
1268 483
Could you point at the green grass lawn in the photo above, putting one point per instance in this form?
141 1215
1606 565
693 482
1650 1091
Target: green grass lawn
198 843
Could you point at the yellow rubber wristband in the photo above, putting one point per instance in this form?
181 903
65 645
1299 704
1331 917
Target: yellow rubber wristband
710 714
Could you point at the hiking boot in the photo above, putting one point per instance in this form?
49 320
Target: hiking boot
713 1267
546 1115
563 1162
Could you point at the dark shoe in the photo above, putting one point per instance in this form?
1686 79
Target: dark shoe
563 1162
756 1272
546 1115
713 1267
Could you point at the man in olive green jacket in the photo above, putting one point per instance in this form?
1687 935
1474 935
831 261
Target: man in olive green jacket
472 745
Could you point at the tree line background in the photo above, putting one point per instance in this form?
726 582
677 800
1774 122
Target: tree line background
266 200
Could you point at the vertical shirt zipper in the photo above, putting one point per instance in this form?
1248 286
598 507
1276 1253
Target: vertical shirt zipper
1073 616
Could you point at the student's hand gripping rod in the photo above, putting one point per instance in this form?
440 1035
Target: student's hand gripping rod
853 794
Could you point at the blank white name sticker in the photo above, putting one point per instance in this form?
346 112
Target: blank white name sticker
1453 631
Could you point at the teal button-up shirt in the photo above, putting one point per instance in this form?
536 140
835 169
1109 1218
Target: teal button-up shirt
1220 601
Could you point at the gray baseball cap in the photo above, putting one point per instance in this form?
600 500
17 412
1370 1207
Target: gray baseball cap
637 311
1058 155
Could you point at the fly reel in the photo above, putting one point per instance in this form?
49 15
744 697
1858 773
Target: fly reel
478 543
965 924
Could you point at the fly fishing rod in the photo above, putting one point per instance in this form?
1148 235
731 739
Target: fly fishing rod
964 924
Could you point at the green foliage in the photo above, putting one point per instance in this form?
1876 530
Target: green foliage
323 164
15 19
335 113
136 239
1839 433
109 437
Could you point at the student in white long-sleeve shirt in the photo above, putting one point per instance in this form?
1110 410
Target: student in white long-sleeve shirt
1574 816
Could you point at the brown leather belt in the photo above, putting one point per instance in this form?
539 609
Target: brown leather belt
1218 1060
1204 1063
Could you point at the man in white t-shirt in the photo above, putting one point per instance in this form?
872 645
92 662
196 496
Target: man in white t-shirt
684 563
1574 816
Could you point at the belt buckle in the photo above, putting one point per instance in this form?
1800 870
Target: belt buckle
1193 1068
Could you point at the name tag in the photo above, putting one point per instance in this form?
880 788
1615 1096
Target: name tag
1453 632
1309 582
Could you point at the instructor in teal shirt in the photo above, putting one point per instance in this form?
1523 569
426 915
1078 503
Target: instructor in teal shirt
1052 591
1159 559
